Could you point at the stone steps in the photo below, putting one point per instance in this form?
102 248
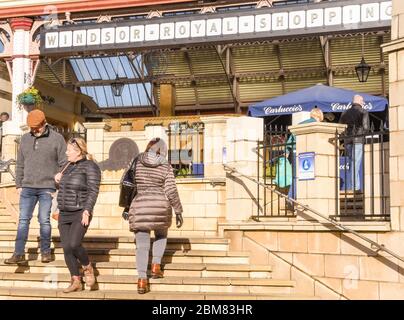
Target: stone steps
8 225
129 268
213 243
34 229
122 231
167 284
197 266
170 256
16 293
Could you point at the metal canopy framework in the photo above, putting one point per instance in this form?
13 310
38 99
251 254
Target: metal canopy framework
257 71
95 75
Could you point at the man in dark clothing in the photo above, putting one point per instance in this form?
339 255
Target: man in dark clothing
41 154
357 119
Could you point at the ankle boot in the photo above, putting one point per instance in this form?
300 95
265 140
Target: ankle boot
143 286
156 271
75 285
89 277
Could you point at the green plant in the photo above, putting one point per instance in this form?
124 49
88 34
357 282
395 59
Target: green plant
183 172
270 171
30 96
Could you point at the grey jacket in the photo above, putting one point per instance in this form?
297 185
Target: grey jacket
39 159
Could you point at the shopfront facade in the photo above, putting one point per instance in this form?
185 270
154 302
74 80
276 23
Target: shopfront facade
221 61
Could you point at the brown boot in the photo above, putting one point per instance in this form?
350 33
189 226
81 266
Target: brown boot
143 286
75 285
156 271
89 277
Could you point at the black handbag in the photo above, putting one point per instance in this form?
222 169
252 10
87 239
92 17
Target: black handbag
128 186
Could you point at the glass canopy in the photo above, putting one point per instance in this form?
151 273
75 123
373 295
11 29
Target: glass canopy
95 75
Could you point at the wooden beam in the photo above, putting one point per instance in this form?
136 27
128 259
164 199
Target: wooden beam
325 47
281 70
192 73
232 72
229 79
383 67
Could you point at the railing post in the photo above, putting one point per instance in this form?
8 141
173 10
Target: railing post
241 145
337 170
214 139
382 168
258 178
318 192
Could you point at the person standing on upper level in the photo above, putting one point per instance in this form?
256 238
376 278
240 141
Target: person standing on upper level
357 120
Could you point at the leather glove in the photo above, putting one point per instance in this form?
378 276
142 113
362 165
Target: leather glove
179 220
125 214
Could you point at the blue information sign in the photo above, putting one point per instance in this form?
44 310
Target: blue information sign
306 166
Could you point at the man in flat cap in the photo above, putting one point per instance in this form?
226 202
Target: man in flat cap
41 154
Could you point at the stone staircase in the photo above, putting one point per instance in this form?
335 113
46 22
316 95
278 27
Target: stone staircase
197 268
194 269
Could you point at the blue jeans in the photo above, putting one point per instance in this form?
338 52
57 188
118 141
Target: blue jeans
29 197
292 187
355 154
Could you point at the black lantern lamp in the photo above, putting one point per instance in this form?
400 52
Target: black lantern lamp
362 69
117 85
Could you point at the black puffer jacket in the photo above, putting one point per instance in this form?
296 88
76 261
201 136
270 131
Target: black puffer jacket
357 120
79 186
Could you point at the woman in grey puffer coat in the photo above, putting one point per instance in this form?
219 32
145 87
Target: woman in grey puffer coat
151 209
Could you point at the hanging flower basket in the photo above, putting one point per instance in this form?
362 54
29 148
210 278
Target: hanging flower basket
29 99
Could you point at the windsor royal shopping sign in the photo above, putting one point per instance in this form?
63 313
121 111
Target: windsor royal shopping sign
255 24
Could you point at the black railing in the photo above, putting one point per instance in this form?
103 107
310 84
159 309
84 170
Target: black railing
302 210
362 190
185 149
5 167
276 163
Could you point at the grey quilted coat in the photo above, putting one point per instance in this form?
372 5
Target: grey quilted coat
157 195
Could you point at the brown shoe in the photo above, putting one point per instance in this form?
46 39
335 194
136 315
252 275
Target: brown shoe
15 259
89 277
156 272
46 257
143 286
75 285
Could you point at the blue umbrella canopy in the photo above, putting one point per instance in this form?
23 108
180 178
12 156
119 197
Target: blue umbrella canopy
328 99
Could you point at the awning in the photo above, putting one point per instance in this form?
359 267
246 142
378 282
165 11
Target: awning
328 99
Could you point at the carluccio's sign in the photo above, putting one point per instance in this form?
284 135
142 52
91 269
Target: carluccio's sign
244 25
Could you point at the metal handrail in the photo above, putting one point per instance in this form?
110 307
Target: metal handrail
375 247
5 167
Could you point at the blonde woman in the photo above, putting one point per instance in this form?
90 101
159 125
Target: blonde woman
78 191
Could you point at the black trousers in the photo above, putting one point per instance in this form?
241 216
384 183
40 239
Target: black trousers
71 236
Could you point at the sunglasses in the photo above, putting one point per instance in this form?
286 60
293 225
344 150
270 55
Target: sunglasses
76 143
